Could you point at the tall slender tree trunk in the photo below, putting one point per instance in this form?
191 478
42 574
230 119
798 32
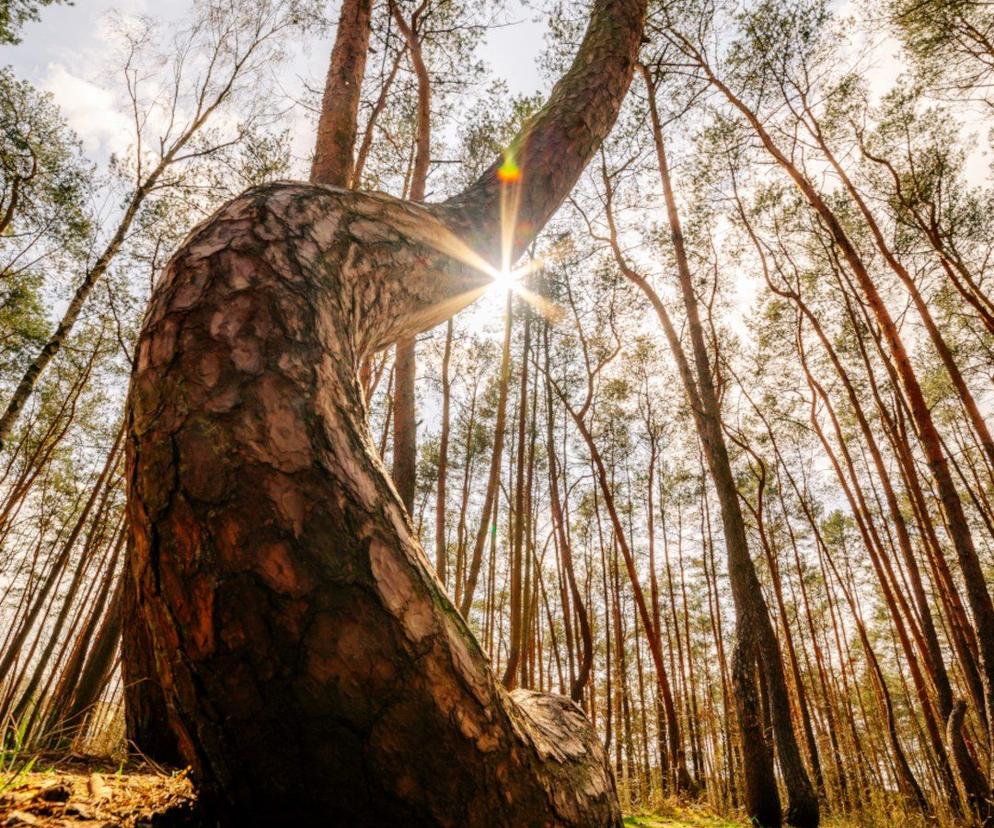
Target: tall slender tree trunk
652 633
336 135
565 549
405 418
802 808
441 542
518 600
957 524
751 609
488 516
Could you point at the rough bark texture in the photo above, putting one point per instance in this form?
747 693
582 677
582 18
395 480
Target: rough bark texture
312 666
307 651
561 138
145 712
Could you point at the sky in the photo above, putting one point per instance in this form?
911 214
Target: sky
65 53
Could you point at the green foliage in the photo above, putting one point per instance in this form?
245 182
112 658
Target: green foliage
13 762
15 13
44 178
45 227
949 43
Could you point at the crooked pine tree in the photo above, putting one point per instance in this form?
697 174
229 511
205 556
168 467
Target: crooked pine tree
312 666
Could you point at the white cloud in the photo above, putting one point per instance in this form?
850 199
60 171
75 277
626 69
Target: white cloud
90 110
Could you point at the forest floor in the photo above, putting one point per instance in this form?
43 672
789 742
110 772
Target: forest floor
86 793
82 792
79 792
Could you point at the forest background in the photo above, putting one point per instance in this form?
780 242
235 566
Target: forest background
561 485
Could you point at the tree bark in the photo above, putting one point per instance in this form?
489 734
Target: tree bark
405 415
146 713
333 153
313 668
957 525
517 565
441 546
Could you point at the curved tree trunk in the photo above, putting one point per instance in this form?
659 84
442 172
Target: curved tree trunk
973 783
312 667
311 662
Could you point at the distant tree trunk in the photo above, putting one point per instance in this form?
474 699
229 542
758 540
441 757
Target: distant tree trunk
935 335
747 593
905 776
441 552
565 550
487 517
957 525
968 775
517 599
366 144
95 672
677 753
311 665
333 153
761 794
405 415
405 422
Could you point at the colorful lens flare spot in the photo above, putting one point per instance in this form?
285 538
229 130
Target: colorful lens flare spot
509 172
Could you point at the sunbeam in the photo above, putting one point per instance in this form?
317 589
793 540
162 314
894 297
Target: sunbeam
507 277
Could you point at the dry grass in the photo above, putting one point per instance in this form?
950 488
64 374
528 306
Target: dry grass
82 791
79 791
674 814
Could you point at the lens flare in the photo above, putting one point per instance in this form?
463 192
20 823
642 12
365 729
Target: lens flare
505 278
509 172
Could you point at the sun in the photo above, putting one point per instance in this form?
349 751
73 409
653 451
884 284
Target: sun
506 279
